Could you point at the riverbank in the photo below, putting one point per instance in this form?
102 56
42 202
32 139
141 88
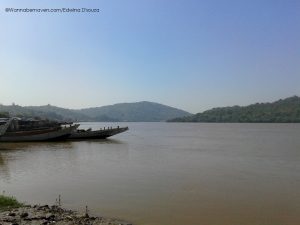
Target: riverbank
18 214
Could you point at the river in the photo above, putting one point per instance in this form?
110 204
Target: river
166 173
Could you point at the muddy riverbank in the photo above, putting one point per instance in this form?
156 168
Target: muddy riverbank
37 215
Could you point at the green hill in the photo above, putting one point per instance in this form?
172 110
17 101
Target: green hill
47 111
281 111
133 112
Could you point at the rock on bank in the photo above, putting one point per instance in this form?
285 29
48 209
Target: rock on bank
47 215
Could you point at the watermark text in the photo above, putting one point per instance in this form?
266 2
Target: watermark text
51 10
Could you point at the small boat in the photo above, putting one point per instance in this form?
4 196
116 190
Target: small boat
81 134
18 130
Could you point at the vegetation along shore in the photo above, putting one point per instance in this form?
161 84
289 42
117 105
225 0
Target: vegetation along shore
281 111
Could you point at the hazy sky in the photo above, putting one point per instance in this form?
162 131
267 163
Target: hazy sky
193 55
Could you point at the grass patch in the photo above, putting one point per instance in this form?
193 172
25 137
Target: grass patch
7 203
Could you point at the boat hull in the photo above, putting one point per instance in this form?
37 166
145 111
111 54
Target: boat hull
97 134
44 135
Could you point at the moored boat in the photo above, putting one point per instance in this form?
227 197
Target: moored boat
81 134
18 130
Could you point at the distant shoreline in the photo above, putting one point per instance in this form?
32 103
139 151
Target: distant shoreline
282 111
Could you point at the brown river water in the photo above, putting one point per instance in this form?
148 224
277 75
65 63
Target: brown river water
166 173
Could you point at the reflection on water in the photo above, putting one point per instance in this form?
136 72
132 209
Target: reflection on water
4 172
2 162
34 145
51 145
33 151
160 173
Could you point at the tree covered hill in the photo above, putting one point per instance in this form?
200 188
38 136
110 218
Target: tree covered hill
47 111
281 111
133 112
138 111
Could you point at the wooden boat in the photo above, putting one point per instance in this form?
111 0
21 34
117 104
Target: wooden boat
80 134
18 130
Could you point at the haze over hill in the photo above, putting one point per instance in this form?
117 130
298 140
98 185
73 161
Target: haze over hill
140 111
132 112
286 110
281 111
